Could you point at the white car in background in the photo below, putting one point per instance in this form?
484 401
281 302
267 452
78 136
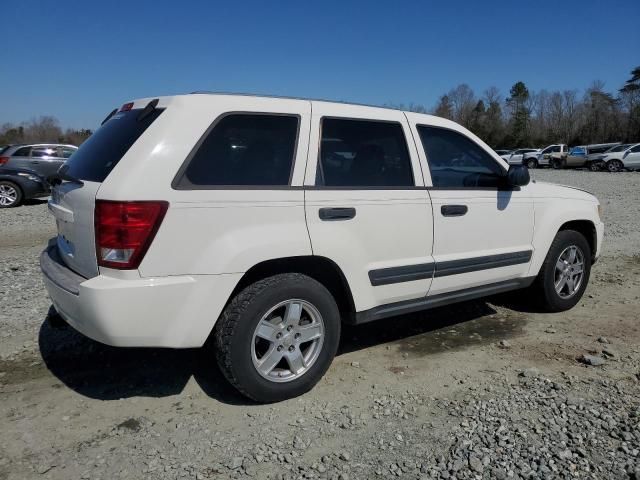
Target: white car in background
622 157
515 158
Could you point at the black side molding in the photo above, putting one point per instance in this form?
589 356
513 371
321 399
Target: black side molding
453 267
426 303
385 276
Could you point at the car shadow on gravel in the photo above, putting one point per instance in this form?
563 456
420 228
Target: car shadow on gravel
108 373
433 331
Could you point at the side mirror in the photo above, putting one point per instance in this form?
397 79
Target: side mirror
518 176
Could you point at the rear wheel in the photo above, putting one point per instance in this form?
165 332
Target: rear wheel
277 337
532 163
10 194
594 166
564 275
556 164
615 166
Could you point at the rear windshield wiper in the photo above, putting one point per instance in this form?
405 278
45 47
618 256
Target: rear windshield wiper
62 176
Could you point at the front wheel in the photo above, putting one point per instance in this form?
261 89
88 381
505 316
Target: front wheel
277 337
615 166
594 166
564 275
10 194
532 163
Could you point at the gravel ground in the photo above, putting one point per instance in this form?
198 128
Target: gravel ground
487 389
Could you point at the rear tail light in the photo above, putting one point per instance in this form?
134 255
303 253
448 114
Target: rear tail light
4 160
124 231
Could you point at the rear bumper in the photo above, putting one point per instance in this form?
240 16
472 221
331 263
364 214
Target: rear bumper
175 312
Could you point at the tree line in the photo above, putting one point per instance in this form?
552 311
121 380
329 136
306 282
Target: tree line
526 118
45 129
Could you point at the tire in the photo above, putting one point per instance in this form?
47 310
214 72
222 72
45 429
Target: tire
594 166
240 348
532 163
555 164
615 166
10 194
545 285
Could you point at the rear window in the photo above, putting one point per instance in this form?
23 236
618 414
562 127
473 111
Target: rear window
102 151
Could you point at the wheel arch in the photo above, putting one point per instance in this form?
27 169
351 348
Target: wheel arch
321 269
588 230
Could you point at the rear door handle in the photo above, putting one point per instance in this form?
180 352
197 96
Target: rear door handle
453 210
338 213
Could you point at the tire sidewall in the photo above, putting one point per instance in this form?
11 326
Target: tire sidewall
532 163
17 189
563 240
248 378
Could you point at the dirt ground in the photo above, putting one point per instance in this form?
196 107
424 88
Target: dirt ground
486 389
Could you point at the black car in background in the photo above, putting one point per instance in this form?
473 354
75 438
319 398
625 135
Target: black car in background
19 184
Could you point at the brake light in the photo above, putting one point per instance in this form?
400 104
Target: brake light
125 230
4 160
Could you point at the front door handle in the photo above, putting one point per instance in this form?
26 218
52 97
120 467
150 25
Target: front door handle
453 210
338 213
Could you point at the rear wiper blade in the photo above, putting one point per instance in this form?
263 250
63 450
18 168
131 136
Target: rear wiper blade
62 176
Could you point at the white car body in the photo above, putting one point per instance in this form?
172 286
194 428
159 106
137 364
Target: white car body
543 157
630 157
210 238
516 157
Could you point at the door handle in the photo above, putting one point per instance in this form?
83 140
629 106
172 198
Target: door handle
338 213
453 210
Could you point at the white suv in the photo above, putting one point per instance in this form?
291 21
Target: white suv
264 223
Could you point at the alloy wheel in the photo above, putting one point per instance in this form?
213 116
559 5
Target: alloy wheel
287 340
569 272
8 195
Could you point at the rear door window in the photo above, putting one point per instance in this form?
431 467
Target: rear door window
22 152
243 149
102 151
363 153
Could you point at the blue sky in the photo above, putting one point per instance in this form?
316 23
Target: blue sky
79 60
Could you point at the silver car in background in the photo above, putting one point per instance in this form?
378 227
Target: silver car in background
41 158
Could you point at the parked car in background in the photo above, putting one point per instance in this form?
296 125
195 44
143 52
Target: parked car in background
542 158
43 158
504 153
584 156
516 157
622 157
18 185
312 214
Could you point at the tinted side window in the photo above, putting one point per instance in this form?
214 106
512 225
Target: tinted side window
22 152
635 149
244 150
363 153
456 161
